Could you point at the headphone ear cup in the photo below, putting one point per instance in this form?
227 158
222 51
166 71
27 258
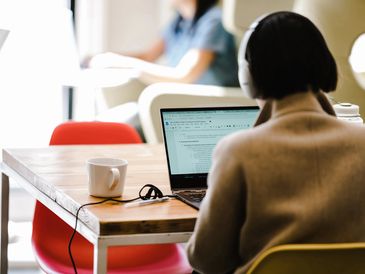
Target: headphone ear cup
246 81
244 73
244 77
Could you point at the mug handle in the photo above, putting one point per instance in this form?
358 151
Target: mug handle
116 177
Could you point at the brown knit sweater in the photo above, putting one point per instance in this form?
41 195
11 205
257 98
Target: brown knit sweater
299 177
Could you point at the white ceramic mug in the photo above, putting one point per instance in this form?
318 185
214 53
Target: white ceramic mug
106 176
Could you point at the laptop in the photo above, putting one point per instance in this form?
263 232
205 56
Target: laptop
190 135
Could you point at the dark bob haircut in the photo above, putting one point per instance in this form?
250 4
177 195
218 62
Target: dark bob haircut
287 54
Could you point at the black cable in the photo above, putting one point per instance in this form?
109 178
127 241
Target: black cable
74 232
152 192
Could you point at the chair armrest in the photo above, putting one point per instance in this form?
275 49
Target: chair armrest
172 95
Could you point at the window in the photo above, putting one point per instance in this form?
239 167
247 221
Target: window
30 98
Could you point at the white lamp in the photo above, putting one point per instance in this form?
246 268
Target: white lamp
357 60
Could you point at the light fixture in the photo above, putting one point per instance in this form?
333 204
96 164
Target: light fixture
357 60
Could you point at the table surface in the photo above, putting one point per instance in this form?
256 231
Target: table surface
60 173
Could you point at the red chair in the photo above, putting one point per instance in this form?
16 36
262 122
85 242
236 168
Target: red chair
51 235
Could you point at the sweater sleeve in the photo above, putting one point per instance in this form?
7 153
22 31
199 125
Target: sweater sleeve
214 245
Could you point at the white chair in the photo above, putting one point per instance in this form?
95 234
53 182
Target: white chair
170 95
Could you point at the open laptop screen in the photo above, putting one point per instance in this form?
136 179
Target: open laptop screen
190 135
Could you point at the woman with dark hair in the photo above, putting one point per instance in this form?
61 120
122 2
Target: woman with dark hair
297 176
195 45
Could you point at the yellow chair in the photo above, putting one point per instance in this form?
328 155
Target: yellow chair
344 258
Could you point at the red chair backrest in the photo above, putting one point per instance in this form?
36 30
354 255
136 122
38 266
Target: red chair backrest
86 133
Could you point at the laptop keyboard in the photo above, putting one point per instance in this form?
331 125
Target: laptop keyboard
196 196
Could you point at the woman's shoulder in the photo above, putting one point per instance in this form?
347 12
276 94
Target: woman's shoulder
213 12
237 141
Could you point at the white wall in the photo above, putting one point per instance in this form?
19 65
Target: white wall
130 25
118 26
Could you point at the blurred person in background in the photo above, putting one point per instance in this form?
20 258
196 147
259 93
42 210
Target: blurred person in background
196 47
196 50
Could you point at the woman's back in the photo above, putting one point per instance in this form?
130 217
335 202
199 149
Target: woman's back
303 175
297 177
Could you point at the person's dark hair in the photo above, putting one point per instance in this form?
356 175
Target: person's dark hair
201 8
288 54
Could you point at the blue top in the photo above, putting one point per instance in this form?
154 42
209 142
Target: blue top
208 33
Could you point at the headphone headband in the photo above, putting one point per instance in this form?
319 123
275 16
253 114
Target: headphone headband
246 38
244 74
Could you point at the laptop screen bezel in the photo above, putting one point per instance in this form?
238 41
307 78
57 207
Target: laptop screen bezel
197 180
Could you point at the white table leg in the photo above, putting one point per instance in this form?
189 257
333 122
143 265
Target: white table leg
100 258
4 211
